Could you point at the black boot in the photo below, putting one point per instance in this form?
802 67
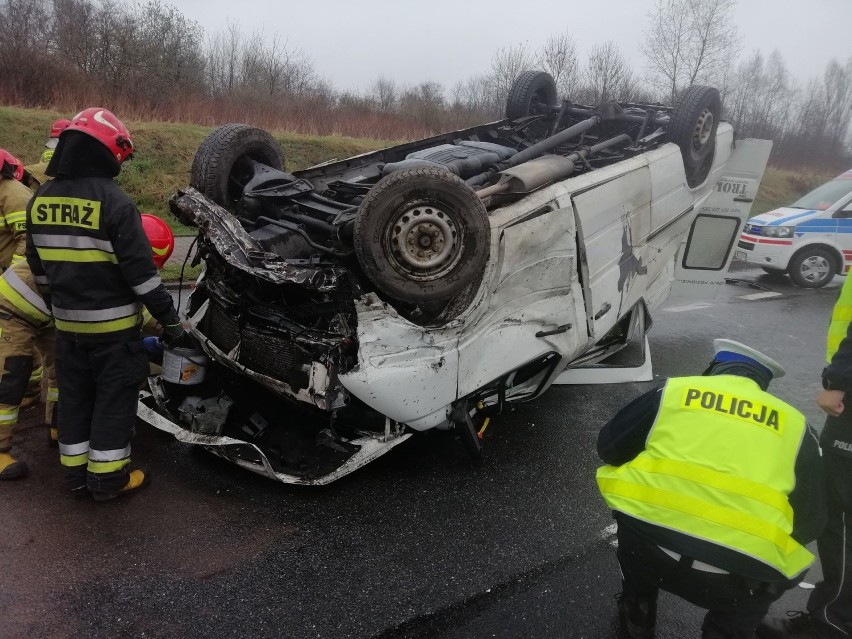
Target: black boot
638 616
798 625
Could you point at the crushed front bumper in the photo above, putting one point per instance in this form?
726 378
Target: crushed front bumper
247 455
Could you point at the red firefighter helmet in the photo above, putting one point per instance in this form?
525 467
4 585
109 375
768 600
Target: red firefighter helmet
10 166
107 129
160 236
58 127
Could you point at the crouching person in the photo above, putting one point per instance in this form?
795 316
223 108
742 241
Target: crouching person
26 329
716 486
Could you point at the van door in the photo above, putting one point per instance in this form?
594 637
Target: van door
613 218
705 255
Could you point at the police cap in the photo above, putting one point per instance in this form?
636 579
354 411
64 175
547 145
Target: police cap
727 350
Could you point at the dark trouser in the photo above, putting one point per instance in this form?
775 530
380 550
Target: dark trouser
99 382
735 605
831 600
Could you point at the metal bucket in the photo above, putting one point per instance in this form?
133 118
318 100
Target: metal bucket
185 366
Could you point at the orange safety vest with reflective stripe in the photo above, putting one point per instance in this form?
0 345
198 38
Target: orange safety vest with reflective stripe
840 318
718 465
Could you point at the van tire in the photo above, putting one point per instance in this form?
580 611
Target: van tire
532 92
813 267
222 164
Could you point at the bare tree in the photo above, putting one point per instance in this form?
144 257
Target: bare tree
689 41
384 94
508 63
608 75
558 56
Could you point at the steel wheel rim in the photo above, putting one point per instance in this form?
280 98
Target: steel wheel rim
703 129
815 268
423 242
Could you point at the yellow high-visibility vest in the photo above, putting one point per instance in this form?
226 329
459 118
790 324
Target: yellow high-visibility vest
840 318
718 465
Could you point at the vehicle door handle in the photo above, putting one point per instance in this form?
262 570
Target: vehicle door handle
743 199
604 310
560 329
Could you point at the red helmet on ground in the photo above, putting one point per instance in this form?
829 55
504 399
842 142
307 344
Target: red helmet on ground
10 166
107 129
160 236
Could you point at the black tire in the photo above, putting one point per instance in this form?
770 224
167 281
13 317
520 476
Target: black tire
530 93
774 272
693 128
441 224
812 267
220 170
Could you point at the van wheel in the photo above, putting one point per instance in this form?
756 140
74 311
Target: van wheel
812 268
532 92
693 128
224 163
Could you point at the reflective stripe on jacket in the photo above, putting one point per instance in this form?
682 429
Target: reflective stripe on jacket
13 221
840 318
718 465
87 243
19 295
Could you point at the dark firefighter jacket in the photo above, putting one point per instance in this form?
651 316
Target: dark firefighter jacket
87 244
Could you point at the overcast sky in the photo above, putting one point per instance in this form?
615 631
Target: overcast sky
352 42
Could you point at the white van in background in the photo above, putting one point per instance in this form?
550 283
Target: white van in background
811 240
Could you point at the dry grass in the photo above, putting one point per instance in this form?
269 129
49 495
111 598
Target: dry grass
164 153
781 187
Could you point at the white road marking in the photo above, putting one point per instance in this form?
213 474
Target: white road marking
688 307
760 296
804 585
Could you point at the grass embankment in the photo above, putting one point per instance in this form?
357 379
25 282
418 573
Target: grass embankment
164 155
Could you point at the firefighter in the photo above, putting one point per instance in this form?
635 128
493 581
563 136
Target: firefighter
38 170
13 203
162 242
87 248
26 327
24 321
716 486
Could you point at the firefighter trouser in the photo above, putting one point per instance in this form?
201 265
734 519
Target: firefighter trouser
97 408
831 600
19 344
34 387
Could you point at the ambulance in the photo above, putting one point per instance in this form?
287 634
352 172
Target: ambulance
811 240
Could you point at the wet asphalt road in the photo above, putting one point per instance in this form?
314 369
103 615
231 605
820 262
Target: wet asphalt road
417 544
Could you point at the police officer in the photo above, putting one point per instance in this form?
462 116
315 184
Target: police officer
716 486
86 246
830 604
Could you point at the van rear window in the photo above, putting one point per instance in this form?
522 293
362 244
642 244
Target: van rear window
826 195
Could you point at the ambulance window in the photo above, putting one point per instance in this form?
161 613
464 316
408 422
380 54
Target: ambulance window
710 240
